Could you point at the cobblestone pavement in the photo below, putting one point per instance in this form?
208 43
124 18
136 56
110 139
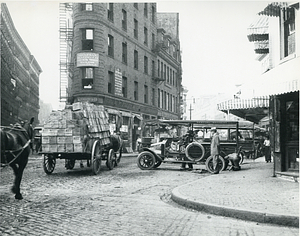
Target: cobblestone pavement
123 201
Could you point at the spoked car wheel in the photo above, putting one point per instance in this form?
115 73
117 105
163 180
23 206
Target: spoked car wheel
210 167
146 160
49 163
96 157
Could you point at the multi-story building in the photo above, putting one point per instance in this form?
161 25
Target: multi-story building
275 94
19 75
122 58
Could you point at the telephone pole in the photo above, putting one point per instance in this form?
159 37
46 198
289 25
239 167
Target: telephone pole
191 111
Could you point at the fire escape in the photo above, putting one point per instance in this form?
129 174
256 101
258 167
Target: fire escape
65 44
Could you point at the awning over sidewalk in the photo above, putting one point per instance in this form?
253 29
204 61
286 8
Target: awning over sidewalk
250 109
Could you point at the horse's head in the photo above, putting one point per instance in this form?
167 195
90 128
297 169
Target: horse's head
28 127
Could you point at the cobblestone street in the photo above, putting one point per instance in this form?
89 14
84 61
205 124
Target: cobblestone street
123 201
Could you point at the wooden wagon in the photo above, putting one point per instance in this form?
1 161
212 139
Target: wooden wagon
80 132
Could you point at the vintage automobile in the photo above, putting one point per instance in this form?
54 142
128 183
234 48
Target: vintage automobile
188 141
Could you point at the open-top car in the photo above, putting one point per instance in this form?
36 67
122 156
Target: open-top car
188 141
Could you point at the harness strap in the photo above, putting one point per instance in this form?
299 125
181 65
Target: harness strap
19 150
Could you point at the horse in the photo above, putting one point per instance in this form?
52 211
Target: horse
15 150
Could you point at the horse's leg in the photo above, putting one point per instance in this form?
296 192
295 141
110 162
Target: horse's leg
18 170
16 186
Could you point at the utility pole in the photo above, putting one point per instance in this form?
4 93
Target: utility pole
191 111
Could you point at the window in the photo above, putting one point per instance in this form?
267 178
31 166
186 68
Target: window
158 98
110 45
124 19
136 59
162 70
136 5
124 86
288 31
171 82
87 77
145 36
168 73
153 68
165 72
153 15
145 94
110 11
87 6
153 41
111 82
136 29
124 53
158 68
153 97
146 9
136 90
145 65
88 39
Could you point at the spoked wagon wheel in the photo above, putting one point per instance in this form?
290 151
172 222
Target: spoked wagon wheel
118 157
110 162
49 163
96 157
69 164
146 160
210 167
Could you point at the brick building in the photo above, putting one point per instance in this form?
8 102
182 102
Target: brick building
19 75
119 55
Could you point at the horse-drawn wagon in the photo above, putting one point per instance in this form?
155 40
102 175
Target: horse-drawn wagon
80 132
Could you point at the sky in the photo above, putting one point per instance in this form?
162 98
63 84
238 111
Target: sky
216 54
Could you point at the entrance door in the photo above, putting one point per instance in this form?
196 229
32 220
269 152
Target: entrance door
292 135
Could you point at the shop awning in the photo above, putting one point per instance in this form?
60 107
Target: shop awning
273 9
258 30
249 109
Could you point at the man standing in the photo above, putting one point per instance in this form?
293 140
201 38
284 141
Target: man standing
215 148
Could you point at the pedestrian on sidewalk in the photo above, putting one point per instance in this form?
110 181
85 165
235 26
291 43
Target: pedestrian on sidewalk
215 149
267 149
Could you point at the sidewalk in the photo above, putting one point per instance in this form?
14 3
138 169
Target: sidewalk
249 194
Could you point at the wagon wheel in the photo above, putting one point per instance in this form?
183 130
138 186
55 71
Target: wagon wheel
209 164
49 163
69 164
146 160
118 157
110 162
96 157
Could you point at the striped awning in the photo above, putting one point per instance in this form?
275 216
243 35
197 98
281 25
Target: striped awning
258 30
250 109
273 9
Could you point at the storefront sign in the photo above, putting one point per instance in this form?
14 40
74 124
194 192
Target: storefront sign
87 59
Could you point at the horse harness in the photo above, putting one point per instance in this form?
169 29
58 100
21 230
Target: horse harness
12 152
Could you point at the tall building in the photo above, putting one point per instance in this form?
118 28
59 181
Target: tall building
19 75
124 57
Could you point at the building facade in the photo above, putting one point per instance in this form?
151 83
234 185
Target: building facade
275 94
19 75
119 56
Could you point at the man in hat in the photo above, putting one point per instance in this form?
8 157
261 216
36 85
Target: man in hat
215 148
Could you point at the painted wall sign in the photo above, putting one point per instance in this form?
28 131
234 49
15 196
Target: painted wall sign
118 82
87 59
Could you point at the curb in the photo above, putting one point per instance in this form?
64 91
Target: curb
259 217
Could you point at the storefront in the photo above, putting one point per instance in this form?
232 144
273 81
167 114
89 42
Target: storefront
284 133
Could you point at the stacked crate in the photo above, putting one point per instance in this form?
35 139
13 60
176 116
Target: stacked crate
69 130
